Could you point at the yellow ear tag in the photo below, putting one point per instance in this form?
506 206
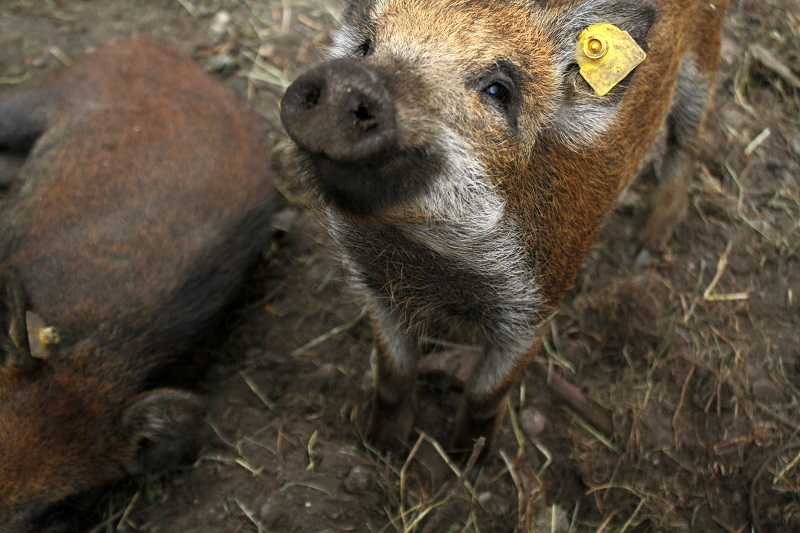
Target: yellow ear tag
605 55
41 338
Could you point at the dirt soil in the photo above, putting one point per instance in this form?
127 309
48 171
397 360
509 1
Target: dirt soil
696 353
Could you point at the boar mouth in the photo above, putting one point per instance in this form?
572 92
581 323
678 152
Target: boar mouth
370 187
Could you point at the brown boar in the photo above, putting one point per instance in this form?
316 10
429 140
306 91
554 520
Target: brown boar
143 202
466 167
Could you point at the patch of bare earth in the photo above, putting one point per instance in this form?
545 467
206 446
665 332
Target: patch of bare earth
696 353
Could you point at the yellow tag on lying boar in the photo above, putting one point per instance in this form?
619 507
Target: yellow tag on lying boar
606 54
41 338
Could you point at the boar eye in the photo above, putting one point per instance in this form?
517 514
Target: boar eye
366 48
499 92
497 88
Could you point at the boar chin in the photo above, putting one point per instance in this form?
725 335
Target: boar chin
370 187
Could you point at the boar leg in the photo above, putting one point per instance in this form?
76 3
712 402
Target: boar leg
483 406
394 402
684 126
13 305
163 424
10 164
23 118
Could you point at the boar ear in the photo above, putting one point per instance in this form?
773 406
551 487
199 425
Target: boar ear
634 16
582 116
28 337
14 348
163 425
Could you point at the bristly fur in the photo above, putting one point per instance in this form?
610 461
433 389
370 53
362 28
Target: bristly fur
142 205
508 164
463 227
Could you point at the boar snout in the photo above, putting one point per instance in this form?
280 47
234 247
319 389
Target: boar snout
340 110
344 122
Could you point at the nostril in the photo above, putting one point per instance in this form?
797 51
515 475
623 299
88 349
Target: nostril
363 112
365 118
309 95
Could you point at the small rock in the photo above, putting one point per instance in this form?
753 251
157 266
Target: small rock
220 62
533 422
795 142
265 511
358 480
220 23
644 259
40 61
654 457
544 521
325 372
733 117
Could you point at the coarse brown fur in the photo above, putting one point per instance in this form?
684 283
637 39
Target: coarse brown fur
144 200
467 168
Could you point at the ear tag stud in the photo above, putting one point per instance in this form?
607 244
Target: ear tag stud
605 55
41 338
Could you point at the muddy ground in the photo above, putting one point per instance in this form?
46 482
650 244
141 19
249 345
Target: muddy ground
696 353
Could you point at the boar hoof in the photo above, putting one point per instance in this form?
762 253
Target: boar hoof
466 439
669 209
390 426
